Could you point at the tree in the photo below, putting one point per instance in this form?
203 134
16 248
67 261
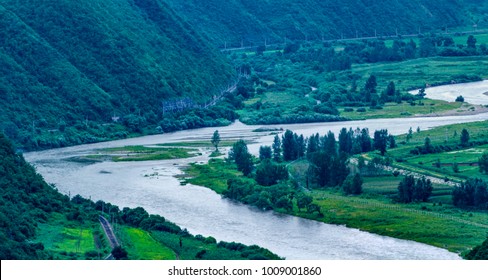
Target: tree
427 146
455 167
313 144
409 134
119 253
265 152
471 193
216 140
303 201
370 88
276 148
320 164
483 163
405 189
345 141
464 137
392 142
264 201
240 155
390 89
268 173
365 140
284 202
353 185
290 147
471 42
380 140
422 190
329 143
479 252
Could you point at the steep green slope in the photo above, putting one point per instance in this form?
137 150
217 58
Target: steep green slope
253 21
38 222
25 201
66 62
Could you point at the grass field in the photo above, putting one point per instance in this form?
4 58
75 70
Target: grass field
205 248
143 153
280 103
140 245
418 72
446 135
440 226
215 177
394 110
68 240
197 144
466 160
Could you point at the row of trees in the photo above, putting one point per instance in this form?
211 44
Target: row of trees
412 190
471 193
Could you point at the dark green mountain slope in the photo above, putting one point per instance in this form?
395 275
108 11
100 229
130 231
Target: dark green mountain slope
25 201
253 21
64 62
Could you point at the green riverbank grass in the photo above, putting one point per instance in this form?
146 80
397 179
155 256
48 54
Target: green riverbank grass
394 110
446 135
213 175
440 225
197 144
196 248
136 153
415 73
454 231
140 245
70 240
463 158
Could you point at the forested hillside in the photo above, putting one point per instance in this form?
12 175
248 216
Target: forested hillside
253 21
73 65
26 200
38 222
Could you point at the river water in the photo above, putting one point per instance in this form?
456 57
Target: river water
152 185
474 93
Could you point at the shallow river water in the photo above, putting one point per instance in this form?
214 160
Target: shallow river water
153 186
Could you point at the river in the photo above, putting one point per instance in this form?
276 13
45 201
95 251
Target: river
153 186
474 93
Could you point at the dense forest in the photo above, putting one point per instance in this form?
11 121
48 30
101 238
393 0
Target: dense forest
274 20
68 67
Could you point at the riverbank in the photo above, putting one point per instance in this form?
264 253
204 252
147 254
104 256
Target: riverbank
204 212
465 110
440 226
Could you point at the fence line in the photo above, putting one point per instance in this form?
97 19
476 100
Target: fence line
402 209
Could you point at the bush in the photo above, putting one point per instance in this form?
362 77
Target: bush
361 110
